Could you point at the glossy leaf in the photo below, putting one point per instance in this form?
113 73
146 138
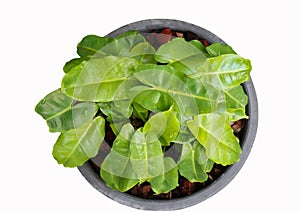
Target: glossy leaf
146 156
178 50
150 99
95 46
184 57
76 146
92 44
236 101
72 63
143 52
217 49
124 44
215 134
164 125
199 46
194 163
140 112
100 79
105 108
130 38
61 114
190 97
224 71
168 180
116 169
184 135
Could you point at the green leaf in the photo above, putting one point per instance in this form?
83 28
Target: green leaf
140 112
72 63
116 169
178 50
184 135
95 46
199 46
143 52
168 180
150 99
209 165
217 49
92 44
194 163
61 114
236 101
215 134
190 96
100 80
146 156
124 45
105 108
164 125
185 57
130 39
76 146
224 71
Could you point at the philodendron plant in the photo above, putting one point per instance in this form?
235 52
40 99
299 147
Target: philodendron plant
184 94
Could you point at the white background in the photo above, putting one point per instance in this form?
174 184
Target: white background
38 37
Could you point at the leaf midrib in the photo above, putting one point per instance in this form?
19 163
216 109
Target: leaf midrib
78 143
99 82
219 140
61 112
232 97
179 93
200 74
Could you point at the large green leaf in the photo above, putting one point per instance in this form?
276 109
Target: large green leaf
76 146
168 180
116 169
100 80
194 163
215 134
190 97
61 114
164 125
125 45
224 71
146 155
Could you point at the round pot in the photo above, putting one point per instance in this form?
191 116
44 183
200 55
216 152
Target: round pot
231 171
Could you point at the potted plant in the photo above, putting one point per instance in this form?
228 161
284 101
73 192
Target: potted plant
159 114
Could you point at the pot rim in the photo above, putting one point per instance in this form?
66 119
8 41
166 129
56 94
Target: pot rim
248 136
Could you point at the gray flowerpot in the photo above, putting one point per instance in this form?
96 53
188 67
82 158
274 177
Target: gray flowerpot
247 139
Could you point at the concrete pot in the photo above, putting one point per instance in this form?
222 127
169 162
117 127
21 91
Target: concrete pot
248 136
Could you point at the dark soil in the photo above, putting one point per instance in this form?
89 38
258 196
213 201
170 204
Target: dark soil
161 36
185 187
157 38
